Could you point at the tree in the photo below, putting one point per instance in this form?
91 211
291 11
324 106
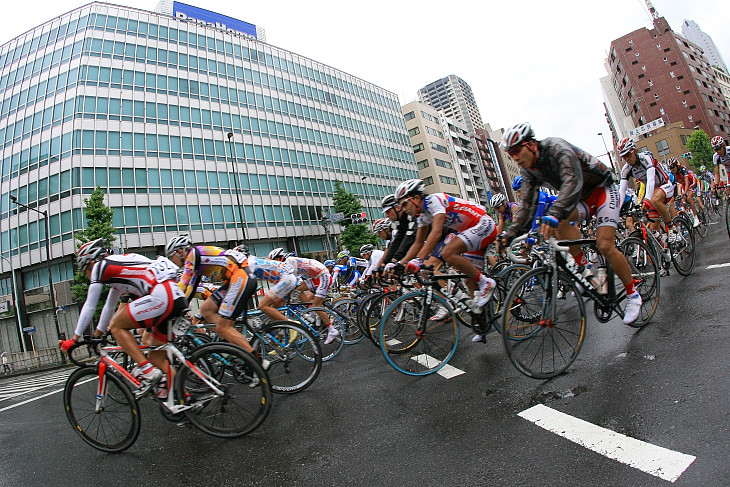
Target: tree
98 225
699 145
353 236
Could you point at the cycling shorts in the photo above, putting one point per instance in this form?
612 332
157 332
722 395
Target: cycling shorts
478 237
282 289
152 312
238 290
603 202
320 285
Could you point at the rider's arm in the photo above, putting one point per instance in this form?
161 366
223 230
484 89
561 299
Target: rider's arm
622 190
109 307
571 184
434 236
650 182
89 308
421 234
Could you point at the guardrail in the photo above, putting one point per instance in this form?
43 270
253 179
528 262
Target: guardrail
39 359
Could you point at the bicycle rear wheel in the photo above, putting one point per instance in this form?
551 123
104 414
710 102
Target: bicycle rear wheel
411 350
374 315
314 322
683 251
347 309
243 399
539 342
294 355
644 265
112 427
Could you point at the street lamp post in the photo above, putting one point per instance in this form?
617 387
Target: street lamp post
235 182
14 199
610 157
17 300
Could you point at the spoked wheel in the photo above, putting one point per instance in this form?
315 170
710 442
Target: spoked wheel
702 228
113 425
644 265
347 308
319 329
241 399
683 251
293 353
374 315
543 334
411 350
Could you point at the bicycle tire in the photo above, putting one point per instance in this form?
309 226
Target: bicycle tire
365 303
701 229
727 216
347 309
294 355
409 350
683 252
246 399
116 425
374 315
644 265
311 320
537 346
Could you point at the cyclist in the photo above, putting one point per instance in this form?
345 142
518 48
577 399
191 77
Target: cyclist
504 211
585 187
721 156
381 228
403 230
156 299
686 184
230 300
348 269
474 228
544 201
659 189
315 286
374 257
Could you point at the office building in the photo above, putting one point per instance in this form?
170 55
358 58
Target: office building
692 32
141 104
453 97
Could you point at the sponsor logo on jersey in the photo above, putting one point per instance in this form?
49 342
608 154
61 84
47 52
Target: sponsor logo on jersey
133 272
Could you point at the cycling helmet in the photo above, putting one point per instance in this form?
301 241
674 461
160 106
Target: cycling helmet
625 146
703 168
409 187
277 253
182 241
517 183
91 251
672 163
498 200
381 224
243 248
514 136
717 142
345 254
329 263
366 248
389 202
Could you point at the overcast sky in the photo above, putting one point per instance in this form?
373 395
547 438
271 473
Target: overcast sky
529 60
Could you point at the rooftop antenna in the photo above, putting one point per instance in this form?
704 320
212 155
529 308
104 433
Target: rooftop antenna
652 11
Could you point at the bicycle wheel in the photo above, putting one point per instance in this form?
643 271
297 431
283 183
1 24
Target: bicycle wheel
294 355
411 350
727 216
702 228
362 310
243 396
111 427
374 315
347 309
683 251
318 327
644 265
543 334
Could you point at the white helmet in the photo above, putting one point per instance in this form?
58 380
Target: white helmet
498 200
182 241
91 251
277 253
516 135
409 187
381 224
625 146
389 202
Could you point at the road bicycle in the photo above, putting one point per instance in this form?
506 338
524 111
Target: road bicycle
220 389
545 327
680 253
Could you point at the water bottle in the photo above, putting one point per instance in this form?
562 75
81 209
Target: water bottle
600 281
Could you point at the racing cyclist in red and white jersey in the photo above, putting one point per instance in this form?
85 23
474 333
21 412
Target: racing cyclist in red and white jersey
374 257
686 184
721 156
157 299
474 229
659 189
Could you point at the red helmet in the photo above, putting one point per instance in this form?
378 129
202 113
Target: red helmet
625 146
717 142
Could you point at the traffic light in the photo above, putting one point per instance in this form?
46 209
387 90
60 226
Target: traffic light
687 155
356 218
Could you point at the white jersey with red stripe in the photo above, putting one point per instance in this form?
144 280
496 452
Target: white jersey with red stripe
639 172
460 214
306 268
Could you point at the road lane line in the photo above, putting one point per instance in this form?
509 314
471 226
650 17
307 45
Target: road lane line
447 371
717 266
654 460
31 400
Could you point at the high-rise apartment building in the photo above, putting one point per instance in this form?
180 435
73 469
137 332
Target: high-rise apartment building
656 73
454 98
692 32
176 117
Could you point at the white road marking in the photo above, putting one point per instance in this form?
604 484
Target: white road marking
31 400
717 266
447 371
654 460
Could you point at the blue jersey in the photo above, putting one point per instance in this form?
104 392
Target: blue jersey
544 202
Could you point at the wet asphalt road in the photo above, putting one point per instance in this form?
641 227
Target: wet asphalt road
363 423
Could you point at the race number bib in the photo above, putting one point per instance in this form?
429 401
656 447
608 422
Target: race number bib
163 269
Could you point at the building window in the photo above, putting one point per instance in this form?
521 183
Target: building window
428 181
662 147
422 164
447 180
418 148
414 131
443 163
409 116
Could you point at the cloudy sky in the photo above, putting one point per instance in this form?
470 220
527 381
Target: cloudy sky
529 60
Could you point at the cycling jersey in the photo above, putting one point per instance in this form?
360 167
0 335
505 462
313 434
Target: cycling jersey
350 273
150 281
649 172
682 174
401 240
306 268
460 214
203 260
717 159
544 202
375 257
280 274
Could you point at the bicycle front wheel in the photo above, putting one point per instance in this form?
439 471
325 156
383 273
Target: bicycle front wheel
347 309
228 391
313 321
683 251
644 266
412 349
542 333
110 423
293 353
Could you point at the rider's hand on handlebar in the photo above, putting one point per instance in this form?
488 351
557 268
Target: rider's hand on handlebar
66 344
414 265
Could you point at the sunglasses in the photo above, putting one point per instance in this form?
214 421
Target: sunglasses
516 149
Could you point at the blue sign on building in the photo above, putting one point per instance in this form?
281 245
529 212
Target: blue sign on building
188 13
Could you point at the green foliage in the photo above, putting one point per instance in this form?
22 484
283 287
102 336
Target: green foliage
345 202
699 145
98 225
353 236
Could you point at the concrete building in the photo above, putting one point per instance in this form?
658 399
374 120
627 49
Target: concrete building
141 104
692 32
657 74
454 98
